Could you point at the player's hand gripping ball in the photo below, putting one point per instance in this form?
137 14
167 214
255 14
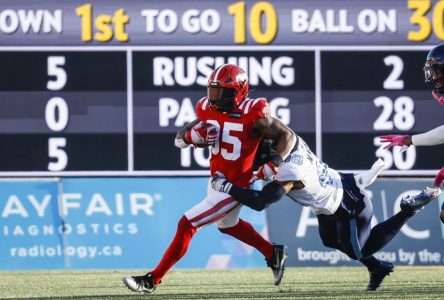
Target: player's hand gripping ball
202 134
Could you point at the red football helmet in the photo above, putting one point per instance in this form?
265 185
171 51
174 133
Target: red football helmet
227 87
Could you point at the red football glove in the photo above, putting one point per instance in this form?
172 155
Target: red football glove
393 140
265 172
202 134
439 178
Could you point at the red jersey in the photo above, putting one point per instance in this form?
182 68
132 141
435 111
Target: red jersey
233 153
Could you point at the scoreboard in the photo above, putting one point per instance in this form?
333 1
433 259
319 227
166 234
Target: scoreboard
366 94
102 89
91 110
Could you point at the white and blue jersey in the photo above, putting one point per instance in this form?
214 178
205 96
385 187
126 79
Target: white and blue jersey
322 190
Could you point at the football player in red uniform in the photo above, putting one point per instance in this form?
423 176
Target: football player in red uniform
233 125
434 74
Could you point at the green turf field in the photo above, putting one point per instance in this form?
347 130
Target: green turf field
298 283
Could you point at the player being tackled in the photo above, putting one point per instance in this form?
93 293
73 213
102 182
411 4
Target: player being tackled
232 125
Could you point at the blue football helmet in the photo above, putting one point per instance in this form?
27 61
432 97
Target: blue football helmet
434 68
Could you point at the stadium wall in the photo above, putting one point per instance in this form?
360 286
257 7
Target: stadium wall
110 223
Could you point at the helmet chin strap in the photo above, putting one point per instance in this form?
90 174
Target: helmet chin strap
438 97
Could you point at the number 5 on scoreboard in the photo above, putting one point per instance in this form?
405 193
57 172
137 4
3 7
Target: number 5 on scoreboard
56 152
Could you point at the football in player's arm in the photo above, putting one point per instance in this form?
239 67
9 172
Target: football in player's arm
434 75
267 128
340 201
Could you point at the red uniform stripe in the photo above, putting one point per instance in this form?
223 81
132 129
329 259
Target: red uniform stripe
218 217
212 210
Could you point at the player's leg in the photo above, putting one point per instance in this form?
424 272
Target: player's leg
176 250
348 238
232 225
373 240
352 234
330 230
275 255
208 211
353 230
384 232
378 269
354 217
215 206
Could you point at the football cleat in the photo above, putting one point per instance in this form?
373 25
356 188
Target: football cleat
378 276
277 262
413 204
141 284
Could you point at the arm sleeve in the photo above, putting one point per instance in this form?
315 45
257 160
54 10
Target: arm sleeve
258 200
429 138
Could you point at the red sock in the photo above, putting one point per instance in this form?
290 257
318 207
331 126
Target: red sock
176 250
245 232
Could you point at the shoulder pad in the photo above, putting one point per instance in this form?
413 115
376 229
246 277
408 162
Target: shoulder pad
202 107
255 109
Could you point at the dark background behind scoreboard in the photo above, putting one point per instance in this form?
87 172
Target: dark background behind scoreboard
114 118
